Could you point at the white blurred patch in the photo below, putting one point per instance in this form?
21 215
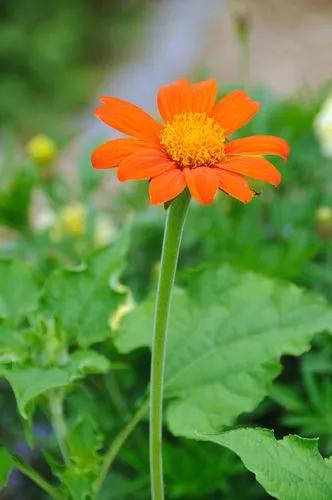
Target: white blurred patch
323 127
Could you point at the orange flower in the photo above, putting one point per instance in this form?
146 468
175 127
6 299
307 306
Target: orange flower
191 147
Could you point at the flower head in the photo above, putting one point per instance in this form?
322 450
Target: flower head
191 147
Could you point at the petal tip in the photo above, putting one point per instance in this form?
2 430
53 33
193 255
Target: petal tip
276 179
104 99
286 152
250 195
276 183
99 112
121 177
95 159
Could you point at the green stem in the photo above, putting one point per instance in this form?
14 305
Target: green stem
116 445
115 394
172 239
39 480
55 402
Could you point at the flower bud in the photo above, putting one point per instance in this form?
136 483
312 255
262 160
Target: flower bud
71 222
42 150
323 218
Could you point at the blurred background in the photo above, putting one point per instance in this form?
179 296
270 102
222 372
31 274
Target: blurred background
56 59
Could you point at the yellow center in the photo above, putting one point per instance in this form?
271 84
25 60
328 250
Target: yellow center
193 140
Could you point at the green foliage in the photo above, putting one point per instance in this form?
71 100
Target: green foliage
289 469
228 331
15 198
306 402
73 360
84 442
44 352
6 465
19 291
197 481
13 346
82 299
54 54
30 382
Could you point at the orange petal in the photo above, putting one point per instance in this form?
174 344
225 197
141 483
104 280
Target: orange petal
144 164
202 183
111 153
166 186
252 166
174 99
204 96
259 145
235 110
235 185
129 119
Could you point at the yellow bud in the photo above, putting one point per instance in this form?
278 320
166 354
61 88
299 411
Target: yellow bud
324 214
71 221
323 219
42 149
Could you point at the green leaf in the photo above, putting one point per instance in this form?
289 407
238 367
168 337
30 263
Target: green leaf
15 198
13 346
28 383
124 487
226 336
79 485
290 468
7 463
186 473
85 361
19 290
83 299
84 442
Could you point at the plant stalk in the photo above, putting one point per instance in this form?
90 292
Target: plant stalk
55 401
176 215
116 445
39 480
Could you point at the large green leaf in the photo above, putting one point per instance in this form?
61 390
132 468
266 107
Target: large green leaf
290 468
83 299
227 333
28 383
7 463
19 290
